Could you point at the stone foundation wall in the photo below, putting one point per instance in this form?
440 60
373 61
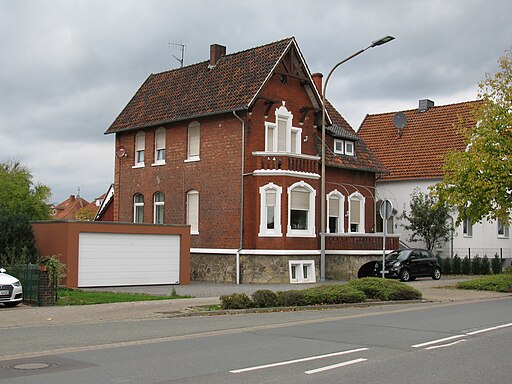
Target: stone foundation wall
271 269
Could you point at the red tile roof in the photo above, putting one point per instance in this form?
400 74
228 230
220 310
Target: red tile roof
197 90
67 209
418 150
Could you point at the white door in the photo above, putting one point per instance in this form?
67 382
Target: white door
113 259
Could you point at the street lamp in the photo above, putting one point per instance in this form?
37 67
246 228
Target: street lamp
376 43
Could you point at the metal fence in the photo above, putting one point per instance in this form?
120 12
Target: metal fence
31 285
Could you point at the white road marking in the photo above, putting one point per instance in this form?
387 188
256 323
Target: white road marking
437 341
445 345
489 329
344 364
278 364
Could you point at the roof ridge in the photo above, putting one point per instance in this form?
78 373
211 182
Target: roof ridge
415 109
292 38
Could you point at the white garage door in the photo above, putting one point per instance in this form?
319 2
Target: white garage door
110 259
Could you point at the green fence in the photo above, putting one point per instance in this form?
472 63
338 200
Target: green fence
31 284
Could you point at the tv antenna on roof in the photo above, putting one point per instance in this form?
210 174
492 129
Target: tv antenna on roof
179 45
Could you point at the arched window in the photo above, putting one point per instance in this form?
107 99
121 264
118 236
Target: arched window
160 146
158 208
138 208
356 213
193 211
193 141
140 145
301 210
335 219
281 136
270 210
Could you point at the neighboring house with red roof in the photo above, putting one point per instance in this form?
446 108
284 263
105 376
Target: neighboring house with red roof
412 145
67 209
230 146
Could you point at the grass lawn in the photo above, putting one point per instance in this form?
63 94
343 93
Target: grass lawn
497 283
68 296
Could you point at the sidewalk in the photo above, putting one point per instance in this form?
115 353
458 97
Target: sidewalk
204 294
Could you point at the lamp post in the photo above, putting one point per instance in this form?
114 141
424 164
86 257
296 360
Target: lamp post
376 43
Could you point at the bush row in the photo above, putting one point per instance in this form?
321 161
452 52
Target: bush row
500 283
466 266
355 291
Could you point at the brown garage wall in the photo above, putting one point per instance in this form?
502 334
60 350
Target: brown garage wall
61 238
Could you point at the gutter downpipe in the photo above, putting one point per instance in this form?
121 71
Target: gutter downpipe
241 203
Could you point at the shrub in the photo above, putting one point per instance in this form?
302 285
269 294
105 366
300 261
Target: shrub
498 283
235 301
446 266
456 265
466 266
383 289
476 265
265 298
332 294
291 298
485 266
496 264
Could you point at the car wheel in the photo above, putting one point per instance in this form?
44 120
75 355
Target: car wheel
404 275
12 304
437 274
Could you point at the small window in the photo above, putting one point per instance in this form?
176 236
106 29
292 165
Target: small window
193 211
138 208
160 146
158 208
301 210
270 212
270 139
140 145
302 271
503 230
335 201
193 141
338 146
349 148
467 228
356 213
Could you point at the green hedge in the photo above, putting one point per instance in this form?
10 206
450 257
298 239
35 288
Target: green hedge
497 283
356 291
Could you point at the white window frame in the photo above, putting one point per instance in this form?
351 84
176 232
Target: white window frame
310 231
160 141
467 228
193 151
339 142
272 133
362 205
193 212
138 209
349 152
264 231
140 148
158 206
502 230
341 210
297 269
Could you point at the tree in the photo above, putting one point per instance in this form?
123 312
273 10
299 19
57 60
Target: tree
19 195
478 181
85 214
428 219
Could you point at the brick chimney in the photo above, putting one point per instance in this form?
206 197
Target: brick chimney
216 52
317 79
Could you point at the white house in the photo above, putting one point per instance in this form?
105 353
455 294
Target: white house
412 145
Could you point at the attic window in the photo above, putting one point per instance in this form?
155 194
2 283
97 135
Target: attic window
344 147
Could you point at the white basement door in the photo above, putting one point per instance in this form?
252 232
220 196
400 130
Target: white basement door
113 259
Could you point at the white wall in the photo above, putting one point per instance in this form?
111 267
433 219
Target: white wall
485 238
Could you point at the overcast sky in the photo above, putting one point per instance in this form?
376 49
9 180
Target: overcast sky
69 67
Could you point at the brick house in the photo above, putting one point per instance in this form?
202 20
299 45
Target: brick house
413 144
230 146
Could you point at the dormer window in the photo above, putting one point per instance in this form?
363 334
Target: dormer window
344 147
281 136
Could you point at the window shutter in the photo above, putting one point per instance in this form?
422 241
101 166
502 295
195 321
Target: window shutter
300 199
271 198
139 141
355 211
193 211
160 138
334 206
193 139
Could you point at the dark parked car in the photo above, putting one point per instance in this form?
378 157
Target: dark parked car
408 264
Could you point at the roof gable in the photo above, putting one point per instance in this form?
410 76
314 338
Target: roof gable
201 90
418 150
